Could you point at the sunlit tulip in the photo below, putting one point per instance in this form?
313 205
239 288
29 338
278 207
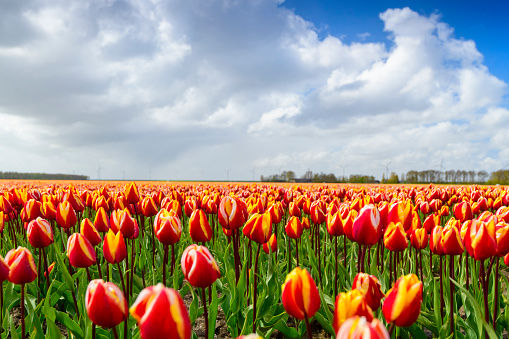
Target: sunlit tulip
22 269
334 224
49 211
258 228
480 239
199 227
350 304
503 213
231 213
294 228
366 227
419 238
161 313
131 193
502 235
360 328
31 210
318 212
114 248
271 244
430 222
199 266
435 241
402 304
294 210
66 216
102 222
80 252
300 295
395 237
189 206
149 207
105 303
250 336
463 211
39 233
88 230
4 271
451 241
167 227
370 288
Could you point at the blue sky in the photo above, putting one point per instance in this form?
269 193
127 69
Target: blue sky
483 22
217 89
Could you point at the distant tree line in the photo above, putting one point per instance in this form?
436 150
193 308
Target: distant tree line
42 176
411 177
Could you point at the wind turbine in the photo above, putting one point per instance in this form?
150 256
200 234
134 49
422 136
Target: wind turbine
227 174
387 169
343 167
253 171
99 173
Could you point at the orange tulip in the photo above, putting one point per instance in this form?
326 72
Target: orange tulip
66 216
350 304
258 228
300 295
294 228
370 288
402 304
114 248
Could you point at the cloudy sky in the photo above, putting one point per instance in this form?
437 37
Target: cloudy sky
235 89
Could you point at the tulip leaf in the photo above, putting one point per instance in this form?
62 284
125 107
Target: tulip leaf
69 323
479 316
248 321
324 322
416 332
34 320
289 332
426 322
213 311
62 269
436 304
14 332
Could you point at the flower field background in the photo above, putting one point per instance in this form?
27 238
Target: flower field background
110 259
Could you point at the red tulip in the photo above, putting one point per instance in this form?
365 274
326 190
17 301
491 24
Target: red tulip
199 227
480 239
114 248
402 304
199 266
66 216
271 244
318 212
451 241
232 213
161 313
300 295
22 269
80 252
167 227
334 224
419 238
102 222
463 211
360 328
39 233
395 237
348 305
4 270
366 227
131 193
149 207
258 228
294 228
105 303
370 288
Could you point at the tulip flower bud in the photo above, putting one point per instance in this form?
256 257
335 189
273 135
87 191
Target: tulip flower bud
366 228
102 222
317 212
199 266
167 227
305 223
124 223
419 238
451 241
161 313
370 288
294 228
149 207
463 211
39 233
22 269
395 237
88 230
114 248
49 210
350 304
232 213
358 327
199 227
131 193
189 206
294 210
80 252
300 295
276 212
334 224
66 217
258 228
402 304
31 211
105 303
50 268
480 239
270 245
435 242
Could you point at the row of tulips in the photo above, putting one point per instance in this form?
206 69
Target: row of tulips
383 228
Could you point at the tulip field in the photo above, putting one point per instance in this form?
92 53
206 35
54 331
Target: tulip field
251 260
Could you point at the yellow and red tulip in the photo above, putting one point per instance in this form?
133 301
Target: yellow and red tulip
300 295
294 228
114 248
258 228
88 230
39 233
419 238
199 227
161 313
480 239
66 216
80 252
131 193
370 288
360 328
199 266
22 269
463 211
105 303
402 304
232 213
270 245
367 229
451 240
167 227
350 304
395 237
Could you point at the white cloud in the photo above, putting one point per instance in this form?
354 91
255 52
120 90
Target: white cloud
181 89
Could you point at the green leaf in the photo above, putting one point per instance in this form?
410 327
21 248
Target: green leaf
325 323
416 332
213 309
62 268
14 333
69 323
289 332
436 304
